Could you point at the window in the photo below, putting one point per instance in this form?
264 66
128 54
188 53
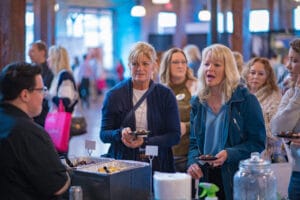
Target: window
167 22
229 27
90 28
84 28
297 18
220 23
75 24
29 21
259 21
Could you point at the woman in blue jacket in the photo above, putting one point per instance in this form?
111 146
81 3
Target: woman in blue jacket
157 113
226 121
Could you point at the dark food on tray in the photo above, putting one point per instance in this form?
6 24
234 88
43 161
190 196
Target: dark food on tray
141 133
83 162
207 157
289 134
109 169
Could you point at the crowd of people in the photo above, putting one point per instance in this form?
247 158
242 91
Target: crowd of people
188 104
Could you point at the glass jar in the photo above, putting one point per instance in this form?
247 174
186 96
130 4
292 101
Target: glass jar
255 180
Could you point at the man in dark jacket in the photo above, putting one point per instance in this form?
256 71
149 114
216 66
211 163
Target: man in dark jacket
38 55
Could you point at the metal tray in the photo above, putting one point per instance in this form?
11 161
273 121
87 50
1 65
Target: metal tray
116 164
131 181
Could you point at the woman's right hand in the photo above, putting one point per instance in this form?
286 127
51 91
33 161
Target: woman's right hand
195 171
130 140
126 134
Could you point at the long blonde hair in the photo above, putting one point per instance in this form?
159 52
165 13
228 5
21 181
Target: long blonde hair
59 58
232 76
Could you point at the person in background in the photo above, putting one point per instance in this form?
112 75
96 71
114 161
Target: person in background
75 63
155 76
239 61
261 81
175 74
99 76
157 113
30 168
84 75
278 67
226 121
193 55
120 70
287 117
63 86
38 55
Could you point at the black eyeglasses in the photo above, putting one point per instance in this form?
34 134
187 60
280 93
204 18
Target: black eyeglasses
177 62
43 89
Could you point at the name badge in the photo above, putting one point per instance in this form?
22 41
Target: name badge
180 97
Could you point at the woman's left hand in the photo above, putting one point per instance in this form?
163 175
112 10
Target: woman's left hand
222 157
134 143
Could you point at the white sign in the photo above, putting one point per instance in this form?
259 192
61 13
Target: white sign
90 144
151 150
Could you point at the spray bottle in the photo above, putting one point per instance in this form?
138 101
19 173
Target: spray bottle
209 190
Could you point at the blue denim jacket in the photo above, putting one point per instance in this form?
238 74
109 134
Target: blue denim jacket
244 132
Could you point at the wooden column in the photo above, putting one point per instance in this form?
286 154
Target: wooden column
241 37
12 31
213 35
44 21
237 35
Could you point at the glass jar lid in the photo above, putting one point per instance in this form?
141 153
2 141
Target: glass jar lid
255 162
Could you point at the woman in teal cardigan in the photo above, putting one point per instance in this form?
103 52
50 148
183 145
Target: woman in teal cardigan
226 121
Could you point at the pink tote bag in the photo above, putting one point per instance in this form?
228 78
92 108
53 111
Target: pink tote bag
58 124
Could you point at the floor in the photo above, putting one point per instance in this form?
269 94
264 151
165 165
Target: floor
78 144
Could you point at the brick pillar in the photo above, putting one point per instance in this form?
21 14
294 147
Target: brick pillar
12 31
213 34
44 21
241 37
237 35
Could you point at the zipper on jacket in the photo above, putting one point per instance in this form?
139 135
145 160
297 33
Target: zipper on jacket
237 125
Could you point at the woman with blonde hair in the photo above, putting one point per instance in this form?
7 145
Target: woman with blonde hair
63 86
226 121
261 81
175 74
193 56
139 105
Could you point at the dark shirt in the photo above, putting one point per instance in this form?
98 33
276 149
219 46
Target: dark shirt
47 76
30 167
